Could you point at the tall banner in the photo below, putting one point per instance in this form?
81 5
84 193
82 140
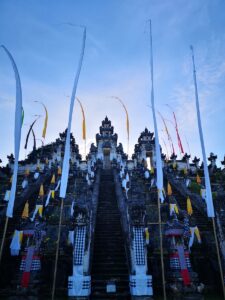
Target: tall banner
209 200
17 133
159 179
65 169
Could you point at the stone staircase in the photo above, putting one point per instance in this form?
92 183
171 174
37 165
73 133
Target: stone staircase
109 256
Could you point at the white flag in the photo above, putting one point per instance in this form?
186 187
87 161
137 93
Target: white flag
17 134
65 169
209 200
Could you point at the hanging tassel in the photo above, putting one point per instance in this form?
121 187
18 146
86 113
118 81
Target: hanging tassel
174 165
169 189
152 171
41 192
53 179
189 207
25 213
53 194
46 161
185 171
198 179
27 172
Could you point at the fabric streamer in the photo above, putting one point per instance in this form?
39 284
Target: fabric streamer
84 120
180 146
173 209
169 189
65 170
189 207
25 213
127 119
16 242
167 133
209 200
17 133
29 131
48 198
159 182
194 232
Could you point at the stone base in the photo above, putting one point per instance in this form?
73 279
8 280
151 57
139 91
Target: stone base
79 286
141 285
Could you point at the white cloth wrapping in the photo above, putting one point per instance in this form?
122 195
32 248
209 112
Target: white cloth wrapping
36 175
88 180
127 177
147 174
92 174
72 209
24 183
188 181
48 198
172 208
15 245
7 195
71 237
124 183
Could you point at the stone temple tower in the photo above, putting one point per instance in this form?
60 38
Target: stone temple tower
106 143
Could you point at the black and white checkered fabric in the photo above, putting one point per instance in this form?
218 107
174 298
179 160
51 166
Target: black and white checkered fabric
139 246
35 265
175 263
86 284
80 233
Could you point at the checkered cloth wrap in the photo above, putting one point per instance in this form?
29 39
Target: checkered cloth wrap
175 263
138 244
80 233
133 283
35 265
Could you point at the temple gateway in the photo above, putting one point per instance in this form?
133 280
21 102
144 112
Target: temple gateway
111 237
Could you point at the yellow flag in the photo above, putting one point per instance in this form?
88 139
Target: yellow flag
152 170
53 194
174 165
189 207
197 233
40 210
59 170
176 209
21 237
41 191
27 172
53 178
169 189
46 122
198 179
25 213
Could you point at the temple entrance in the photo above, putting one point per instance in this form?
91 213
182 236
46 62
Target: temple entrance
149 160
106 160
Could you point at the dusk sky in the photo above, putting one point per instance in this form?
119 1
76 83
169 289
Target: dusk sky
46 48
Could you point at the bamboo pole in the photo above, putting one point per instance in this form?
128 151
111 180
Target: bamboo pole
57 250
3 237
218 256
161 249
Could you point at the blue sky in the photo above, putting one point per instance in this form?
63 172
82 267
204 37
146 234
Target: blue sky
116 63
